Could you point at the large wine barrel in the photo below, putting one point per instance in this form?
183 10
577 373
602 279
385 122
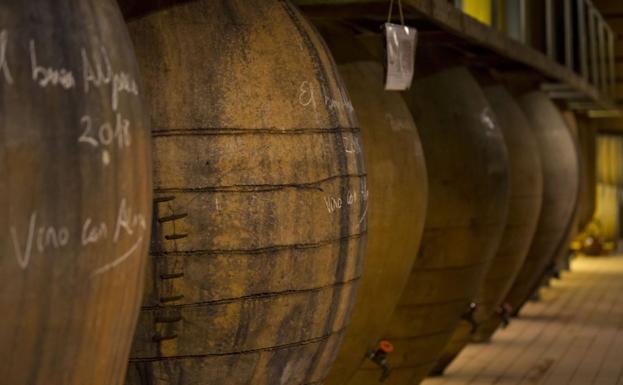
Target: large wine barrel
602 159
609 177
586 143
526 187
607 212
75 192
468 195
398 185
609 170
560 188
610 160
260 197
561 257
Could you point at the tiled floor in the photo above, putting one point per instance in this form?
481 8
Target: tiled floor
573 336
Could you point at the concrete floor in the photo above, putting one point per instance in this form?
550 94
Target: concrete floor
573 336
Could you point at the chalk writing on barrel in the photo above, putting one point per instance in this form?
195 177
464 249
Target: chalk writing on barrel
105 135
334 203
45 76
119 260
41 238
97 71
306 95
4 65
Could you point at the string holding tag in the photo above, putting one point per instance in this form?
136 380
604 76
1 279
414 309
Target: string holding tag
400 43
391 11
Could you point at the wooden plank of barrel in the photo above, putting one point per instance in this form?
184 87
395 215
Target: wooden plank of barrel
609 155
260 197
399 187
561 257
610 165
526 186
584 132
468 195
603 164
586 144
75 192
607 212
560 188
615 160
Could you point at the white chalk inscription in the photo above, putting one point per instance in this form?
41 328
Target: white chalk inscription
4 65
97 71
40 238
46 76
334 203
103 129
307 97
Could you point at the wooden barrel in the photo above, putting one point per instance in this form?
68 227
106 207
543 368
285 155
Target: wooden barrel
616 160
526 187
75 192
609 166
260 197
560 189
602 159
560 258
607 212
586 145
468 195
563 252
610 159
398 185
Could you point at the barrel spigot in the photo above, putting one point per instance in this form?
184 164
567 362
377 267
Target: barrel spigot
552 271
380 357
469 316
505 312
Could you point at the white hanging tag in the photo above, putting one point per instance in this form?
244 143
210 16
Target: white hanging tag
400 43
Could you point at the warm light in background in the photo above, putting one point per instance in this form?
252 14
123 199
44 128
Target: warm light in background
479 9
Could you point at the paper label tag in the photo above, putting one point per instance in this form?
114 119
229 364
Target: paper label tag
400 43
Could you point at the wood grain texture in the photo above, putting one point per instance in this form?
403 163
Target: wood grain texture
587 136
75 192
560 189
607 212
561 257
468 195
526 186
610 159
398 183
261 197
572 336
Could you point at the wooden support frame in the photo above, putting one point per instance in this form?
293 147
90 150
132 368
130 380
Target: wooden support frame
569 48
582 32
611 60
481 43
550 40
593 43
602 54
